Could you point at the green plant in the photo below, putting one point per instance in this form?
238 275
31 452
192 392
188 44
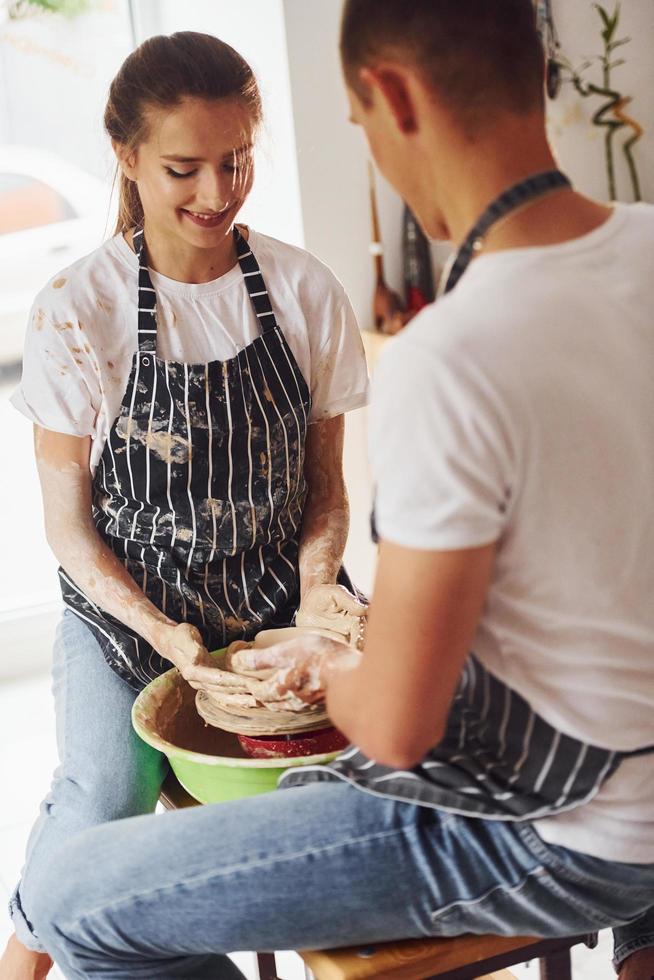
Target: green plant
611 115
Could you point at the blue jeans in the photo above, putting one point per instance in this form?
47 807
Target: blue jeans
106 772
315 866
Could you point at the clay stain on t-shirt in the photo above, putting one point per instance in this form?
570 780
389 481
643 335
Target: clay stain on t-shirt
67 325
39 317
58 283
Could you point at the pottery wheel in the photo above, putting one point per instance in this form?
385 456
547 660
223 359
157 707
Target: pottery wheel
260 721
233 705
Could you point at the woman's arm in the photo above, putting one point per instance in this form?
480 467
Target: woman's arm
326 517
63 466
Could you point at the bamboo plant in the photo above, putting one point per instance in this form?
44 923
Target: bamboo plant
610 115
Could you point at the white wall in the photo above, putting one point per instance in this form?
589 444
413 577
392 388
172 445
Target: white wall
256 29
331 153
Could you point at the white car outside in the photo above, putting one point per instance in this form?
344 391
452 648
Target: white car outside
51 213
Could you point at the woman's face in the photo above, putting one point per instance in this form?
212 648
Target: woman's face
195 169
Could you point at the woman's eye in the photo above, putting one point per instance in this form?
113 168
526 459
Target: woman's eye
175 173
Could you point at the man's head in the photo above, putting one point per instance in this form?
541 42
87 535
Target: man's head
462 66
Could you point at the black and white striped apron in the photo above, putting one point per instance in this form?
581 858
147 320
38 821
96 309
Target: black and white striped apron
498 758
200 488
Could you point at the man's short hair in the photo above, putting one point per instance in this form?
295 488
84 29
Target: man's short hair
478 56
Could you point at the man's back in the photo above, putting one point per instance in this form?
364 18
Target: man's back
529 395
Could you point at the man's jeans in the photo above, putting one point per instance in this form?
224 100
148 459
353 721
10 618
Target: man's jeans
315 866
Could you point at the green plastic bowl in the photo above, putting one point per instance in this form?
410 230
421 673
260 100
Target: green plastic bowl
209 763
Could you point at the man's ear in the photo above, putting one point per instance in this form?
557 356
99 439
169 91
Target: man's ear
392 86
126 159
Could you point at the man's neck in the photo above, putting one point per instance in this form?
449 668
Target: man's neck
476 172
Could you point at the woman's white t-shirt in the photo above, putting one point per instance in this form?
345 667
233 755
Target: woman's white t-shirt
82 334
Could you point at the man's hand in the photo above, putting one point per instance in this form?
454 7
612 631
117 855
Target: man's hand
300 667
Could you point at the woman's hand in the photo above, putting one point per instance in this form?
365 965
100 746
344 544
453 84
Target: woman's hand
300 667
182 644
332 607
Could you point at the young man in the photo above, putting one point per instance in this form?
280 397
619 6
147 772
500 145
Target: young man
507 791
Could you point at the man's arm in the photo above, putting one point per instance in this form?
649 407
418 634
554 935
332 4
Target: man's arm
422 621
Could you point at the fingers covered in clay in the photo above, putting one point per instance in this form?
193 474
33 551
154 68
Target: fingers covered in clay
334 608
289 653
335 598
182 644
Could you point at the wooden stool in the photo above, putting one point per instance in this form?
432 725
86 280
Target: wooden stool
461 958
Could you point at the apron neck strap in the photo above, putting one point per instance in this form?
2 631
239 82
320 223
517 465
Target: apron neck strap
254 284
509 200
147 298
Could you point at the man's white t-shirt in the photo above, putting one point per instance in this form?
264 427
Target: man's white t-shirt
519 409
83 333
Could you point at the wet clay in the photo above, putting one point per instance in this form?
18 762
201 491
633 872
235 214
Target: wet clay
243 701
173 717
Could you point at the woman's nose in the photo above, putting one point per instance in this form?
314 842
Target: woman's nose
215 191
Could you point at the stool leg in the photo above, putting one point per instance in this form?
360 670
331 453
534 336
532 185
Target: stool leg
556 966
267 966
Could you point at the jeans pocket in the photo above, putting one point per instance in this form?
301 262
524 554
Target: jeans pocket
536 905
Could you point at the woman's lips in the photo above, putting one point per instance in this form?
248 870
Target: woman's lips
212 221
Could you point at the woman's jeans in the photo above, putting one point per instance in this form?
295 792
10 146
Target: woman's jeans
106 772
315 866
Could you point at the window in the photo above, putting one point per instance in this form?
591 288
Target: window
29 203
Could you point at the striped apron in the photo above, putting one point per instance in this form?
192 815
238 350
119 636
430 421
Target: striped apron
200 488
498 759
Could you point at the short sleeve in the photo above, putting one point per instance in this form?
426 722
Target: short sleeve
59 389
441 455
339 374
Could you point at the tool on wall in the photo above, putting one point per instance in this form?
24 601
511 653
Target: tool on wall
418 267
551 44
388 310
390 313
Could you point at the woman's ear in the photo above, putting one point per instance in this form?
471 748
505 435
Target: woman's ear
126 159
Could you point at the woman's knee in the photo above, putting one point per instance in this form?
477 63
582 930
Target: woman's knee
101 794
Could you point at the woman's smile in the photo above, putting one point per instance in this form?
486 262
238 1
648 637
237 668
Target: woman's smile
209 219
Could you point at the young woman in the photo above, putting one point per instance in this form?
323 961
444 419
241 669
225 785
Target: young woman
187 381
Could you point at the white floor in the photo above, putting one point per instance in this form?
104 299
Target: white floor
27 759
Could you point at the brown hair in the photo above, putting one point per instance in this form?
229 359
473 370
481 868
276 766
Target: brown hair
160 73
476 55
